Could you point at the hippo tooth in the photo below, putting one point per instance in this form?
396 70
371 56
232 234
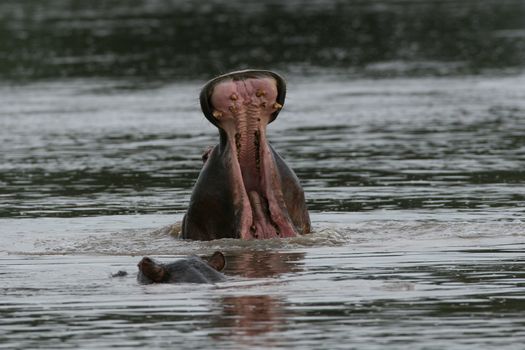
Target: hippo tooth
260 93
217 114
233 97
277 105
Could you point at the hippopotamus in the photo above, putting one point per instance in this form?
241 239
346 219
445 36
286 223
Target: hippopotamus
189 270
245 189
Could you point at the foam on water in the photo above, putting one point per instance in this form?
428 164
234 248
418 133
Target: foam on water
134 235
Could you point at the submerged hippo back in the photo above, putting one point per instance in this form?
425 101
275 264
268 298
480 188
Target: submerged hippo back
193 270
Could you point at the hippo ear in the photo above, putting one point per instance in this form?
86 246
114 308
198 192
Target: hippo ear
217 261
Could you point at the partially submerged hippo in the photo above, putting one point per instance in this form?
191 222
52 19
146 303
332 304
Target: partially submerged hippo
189 270
245 189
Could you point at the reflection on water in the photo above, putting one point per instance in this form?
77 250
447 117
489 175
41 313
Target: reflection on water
260 264
251 315
177 38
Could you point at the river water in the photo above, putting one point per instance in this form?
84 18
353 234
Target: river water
413 172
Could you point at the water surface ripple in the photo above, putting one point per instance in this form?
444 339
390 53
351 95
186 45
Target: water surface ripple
415 186
91 148
415 183
367 295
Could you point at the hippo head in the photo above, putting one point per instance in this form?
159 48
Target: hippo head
245 189
189 270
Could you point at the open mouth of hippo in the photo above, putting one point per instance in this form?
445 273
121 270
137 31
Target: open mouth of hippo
241 105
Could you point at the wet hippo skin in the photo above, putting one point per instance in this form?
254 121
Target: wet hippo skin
188 270
245 189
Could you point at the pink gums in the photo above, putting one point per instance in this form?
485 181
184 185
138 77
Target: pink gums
243 108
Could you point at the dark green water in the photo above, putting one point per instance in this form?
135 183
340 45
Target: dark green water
405 122
167 39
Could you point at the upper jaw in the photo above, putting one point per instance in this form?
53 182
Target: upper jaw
208 91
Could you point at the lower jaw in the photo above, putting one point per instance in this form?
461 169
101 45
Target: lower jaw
263 212
262 219
263 225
